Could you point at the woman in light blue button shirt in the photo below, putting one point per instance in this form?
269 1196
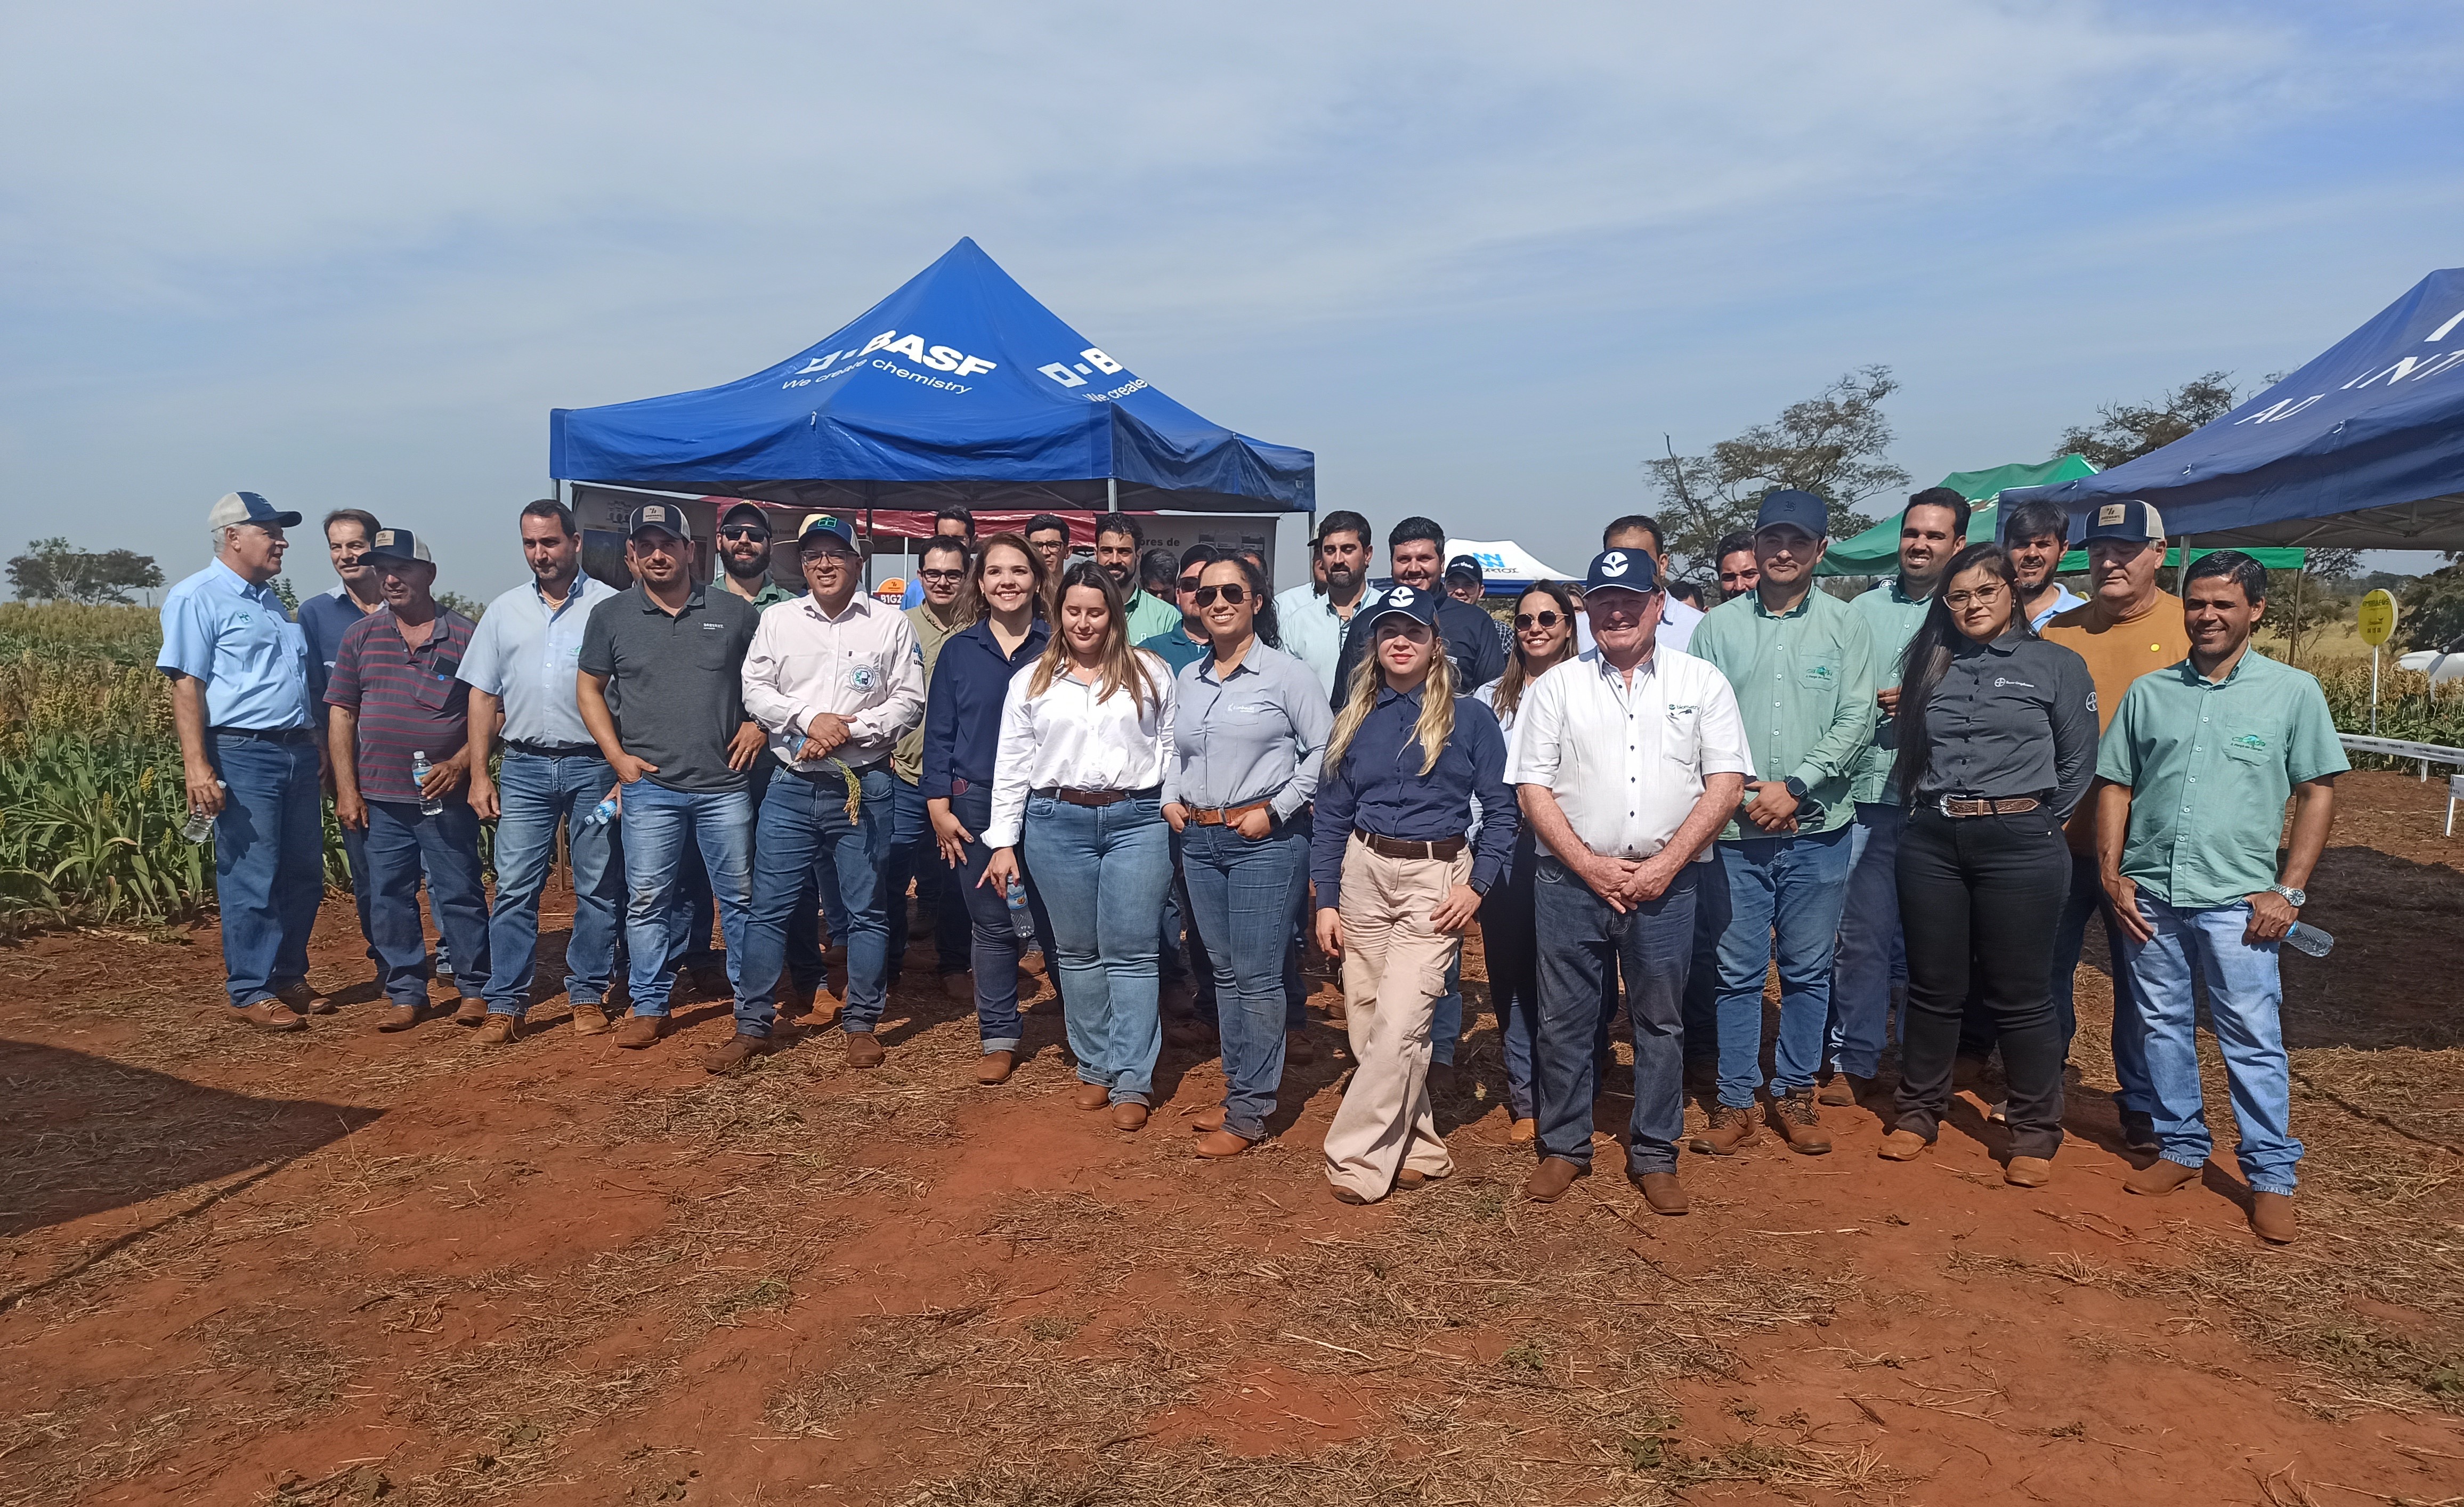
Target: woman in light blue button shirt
1247 745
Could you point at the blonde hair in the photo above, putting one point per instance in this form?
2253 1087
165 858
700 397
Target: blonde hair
1123 664
1437 725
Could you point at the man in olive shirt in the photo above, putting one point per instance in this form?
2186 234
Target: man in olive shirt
1801 663
913 854
1872 967
2198 763
2128 629
660 689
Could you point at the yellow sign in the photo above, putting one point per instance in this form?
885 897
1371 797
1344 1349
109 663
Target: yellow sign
2378 618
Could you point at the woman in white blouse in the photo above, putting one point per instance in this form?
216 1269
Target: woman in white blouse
1543 638
1079 775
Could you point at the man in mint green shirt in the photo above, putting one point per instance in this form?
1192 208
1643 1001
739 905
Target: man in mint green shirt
2197 765
1801 663
1872 967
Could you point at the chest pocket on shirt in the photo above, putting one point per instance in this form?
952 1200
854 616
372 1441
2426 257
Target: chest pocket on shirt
713 648
2251 746
1680 731
432 691
1819 673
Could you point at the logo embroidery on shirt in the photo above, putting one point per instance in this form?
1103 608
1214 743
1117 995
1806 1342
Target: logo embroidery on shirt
860 678
2024 685
1820 671
2250 741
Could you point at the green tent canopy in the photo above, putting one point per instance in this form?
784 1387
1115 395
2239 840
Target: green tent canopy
1876 552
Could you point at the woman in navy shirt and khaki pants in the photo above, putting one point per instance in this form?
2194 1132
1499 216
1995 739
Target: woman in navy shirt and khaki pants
1398 881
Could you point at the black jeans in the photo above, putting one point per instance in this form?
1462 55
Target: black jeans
1979 900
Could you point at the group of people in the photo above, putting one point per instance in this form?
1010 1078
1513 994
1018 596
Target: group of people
1912 801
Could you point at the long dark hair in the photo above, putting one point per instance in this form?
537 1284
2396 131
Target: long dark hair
1518 675
1125 665
971 605
1928 657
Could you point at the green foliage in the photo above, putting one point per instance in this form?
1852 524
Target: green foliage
2430 608
52 569
471 608
2300 602
2409 708
2127 430
126 635
90 833
1833 445
282 590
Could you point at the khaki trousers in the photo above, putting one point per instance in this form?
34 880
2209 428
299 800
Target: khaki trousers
1394 970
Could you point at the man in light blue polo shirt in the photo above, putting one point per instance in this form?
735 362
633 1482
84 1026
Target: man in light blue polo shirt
522 659
2197 765
247 745
1314 618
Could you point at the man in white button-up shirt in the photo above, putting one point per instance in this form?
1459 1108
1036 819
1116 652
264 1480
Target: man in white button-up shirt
835 679
1627 760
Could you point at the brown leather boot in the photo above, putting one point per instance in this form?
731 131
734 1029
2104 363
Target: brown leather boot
472 1012
1794 1117
1091 1096
2271 1218
1297 1051
1208 1120
305 998
497 1030
734 1053
996 1066
1220 1144
1552 1178
589 1018
2159 1178
1903 1145
2028 1172
864 1050
270 1015
1664 1192
1839 1091
1128 1115
1730 1127
641 1031
399 1017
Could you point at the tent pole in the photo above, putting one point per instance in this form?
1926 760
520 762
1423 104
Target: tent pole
2182 575
1111 494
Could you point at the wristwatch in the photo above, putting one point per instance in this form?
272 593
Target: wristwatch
1794 786
2297 899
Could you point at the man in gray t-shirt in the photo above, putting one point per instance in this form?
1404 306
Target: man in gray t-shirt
661 689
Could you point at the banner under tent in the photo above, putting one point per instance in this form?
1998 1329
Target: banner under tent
959 387
1876 551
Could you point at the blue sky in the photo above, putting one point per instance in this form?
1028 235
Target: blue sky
1480 259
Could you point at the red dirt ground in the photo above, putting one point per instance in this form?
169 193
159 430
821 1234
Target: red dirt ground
338 1266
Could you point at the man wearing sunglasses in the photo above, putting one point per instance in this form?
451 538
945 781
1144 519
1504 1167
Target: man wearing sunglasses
744 555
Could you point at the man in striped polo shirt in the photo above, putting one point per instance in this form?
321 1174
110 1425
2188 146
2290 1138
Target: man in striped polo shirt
395 697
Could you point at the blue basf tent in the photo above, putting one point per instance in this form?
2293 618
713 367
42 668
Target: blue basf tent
958 387
2361 448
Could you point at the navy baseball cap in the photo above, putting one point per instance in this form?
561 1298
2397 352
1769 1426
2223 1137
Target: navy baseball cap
1621 570
400 543
1402 601
817 524
2130 519
1467 565
663 516
745 513
248 507
1800 510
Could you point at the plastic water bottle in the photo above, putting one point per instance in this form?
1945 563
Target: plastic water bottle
601 813
1022 921
428 805
2305 938
201 822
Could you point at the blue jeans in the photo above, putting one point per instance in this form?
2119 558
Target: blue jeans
1873 953
401 842
996 945
2138 1093
535 795
2244 996
355 858
269 861
1105 869
916 857
806 840
658 822
1581 939
1243 896
1790 889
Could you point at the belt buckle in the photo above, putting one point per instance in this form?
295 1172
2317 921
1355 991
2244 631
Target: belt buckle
1942 804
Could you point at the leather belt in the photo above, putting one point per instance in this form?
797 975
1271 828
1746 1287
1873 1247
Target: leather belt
267 735
553 750
1957 806
1075 797
1399 848
1226 815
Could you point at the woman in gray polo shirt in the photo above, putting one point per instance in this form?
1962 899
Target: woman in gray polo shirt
1246 744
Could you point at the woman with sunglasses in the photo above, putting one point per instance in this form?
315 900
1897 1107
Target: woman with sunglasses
1078 785
1247 737
1002 603
1543 638
1398 881
1997 742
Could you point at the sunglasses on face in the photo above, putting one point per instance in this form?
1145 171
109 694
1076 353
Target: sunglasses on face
1542 619
744 531
1236 594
